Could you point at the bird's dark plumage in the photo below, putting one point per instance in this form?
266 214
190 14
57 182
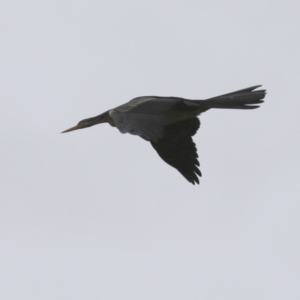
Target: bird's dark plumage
177 148
170 122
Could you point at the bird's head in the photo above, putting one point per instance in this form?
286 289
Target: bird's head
90 122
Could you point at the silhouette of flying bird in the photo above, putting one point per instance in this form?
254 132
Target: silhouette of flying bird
169 123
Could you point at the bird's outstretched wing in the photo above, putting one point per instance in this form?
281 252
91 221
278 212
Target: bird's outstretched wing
177 148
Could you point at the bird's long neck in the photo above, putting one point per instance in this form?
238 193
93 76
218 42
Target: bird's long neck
103 118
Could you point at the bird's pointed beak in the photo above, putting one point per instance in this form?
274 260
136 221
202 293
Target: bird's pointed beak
72 128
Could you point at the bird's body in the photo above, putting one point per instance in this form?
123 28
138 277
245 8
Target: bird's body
169 123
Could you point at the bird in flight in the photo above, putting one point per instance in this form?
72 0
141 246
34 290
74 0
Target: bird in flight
169 123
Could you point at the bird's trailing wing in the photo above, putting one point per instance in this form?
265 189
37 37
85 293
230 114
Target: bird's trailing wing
178 149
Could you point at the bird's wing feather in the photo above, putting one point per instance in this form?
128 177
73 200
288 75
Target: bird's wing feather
178 149
143 116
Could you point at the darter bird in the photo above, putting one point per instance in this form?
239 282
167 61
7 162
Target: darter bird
169 123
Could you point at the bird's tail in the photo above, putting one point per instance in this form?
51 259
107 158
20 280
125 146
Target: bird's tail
242 99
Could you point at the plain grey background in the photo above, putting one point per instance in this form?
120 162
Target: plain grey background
94 214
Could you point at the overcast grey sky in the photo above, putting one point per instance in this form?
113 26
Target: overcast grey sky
95 214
